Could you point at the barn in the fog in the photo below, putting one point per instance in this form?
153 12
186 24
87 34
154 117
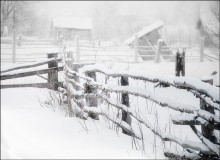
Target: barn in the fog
69 27
147 39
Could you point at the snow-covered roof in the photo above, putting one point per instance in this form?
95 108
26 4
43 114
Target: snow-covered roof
72 22
145 31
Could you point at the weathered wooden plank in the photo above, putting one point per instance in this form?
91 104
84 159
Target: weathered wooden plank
37 85
125 100
29 73
53 74
31 65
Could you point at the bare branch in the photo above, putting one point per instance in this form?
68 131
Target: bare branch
213 147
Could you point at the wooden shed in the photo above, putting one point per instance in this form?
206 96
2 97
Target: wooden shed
147 40
68 27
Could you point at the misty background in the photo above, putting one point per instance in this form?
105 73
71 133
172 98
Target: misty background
184 21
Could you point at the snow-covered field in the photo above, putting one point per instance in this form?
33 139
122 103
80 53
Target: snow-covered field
31 130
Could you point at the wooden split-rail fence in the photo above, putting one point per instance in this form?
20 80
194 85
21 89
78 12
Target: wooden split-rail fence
87 51
83 100
19 72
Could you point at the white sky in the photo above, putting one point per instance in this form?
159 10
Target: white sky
149 9
83 7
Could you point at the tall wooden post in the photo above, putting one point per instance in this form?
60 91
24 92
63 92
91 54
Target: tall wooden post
183 63
206 131
14 46
202 41
53 74
158 52
77 49
125 100
177 64
92 101
136 48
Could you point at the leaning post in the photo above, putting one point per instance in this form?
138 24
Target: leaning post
53 74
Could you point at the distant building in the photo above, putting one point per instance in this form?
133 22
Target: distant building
148 37
68 27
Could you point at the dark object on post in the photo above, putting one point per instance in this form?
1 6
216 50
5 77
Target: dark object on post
180 63
92 101
206 131
125 100
53 74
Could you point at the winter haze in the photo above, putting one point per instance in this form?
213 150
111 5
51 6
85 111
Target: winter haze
110 80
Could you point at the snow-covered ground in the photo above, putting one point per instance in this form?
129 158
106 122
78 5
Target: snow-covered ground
30 130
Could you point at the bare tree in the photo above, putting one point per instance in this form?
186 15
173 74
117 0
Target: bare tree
211 24
6 13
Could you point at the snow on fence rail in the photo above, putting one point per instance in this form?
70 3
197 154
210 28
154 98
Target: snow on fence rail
209 95
82 101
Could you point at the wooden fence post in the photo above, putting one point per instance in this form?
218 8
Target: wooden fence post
202 41
177 64
125 100
207 132
183 63
53 75
158 52
92 101
77 49
180 63
75 67
70 59
14 46
136 48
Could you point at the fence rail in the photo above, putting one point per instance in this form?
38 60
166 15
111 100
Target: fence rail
191 116
52 61
87 51
82 91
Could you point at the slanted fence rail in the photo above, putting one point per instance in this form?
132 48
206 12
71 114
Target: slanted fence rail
85 98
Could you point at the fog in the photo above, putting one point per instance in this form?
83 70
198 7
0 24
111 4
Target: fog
118 20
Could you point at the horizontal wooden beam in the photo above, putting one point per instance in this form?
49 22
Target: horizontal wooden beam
31 65
37 85
29 73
